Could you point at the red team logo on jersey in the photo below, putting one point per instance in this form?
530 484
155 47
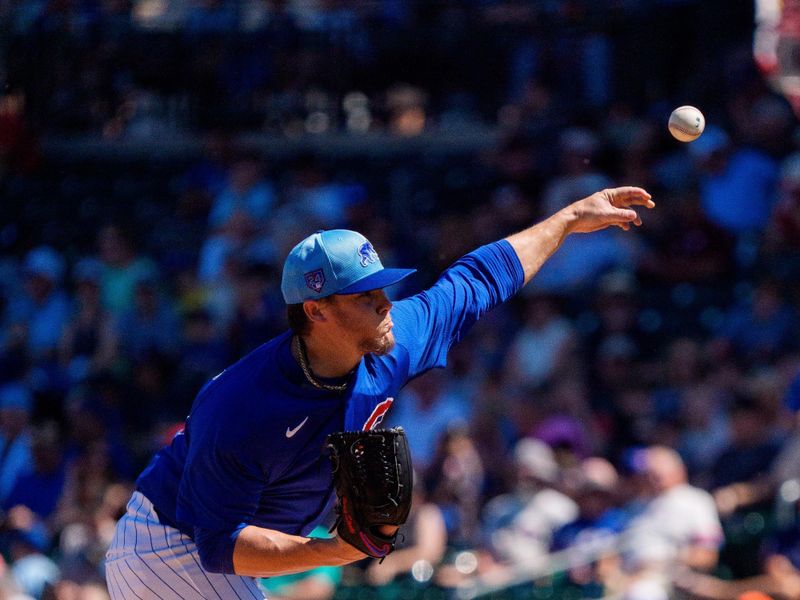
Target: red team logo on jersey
377 414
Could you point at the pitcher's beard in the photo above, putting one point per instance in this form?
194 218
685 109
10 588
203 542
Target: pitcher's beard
379 346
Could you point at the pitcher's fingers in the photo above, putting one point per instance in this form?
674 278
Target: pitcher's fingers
628 216
629 195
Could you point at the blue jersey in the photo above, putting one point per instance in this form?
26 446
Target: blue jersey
251 450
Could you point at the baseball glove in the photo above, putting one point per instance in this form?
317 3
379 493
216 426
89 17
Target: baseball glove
372 475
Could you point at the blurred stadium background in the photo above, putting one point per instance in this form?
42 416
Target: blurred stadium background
624 429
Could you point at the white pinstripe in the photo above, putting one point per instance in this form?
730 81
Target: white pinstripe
152 561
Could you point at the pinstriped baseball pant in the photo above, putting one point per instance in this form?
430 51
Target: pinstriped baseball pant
152 561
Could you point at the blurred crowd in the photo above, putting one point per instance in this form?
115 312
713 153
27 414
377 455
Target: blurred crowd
140 69
625 427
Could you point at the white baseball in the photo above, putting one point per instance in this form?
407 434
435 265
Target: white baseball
686 123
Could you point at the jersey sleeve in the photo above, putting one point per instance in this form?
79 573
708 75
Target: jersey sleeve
429 323
221 484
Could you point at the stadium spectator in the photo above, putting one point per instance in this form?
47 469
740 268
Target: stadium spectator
82 542
455 480
19 152
9 588
778 572
615 313
737 188
428 409
88 477
677 525
123 267
750 452
760 328
543 348
31 570
258 313
577 149
33 499
518 526
238 219
66 589
97 421
762 487
150 325
16 456
203 354
683 367
314 197
43 308
579 263
595 486
783 232
591 538
706 430
89 342
246 191
686 246
567 436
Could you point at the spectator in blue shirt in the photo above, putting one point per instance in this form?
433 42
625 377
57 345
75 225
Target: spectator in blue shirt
151 324
16 404
43 308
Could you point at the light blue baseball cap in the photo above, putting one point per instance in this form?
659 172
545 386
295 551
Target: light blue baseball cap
337 261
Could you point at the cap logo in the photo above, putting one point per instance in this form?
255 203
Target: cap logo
367 254
315 280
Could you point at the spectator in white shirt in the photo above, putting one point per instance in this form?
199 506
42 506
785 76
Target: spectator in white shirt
677 527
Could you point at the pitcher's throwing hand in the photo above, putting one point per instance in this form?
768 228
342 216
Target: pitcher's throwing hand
610 207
